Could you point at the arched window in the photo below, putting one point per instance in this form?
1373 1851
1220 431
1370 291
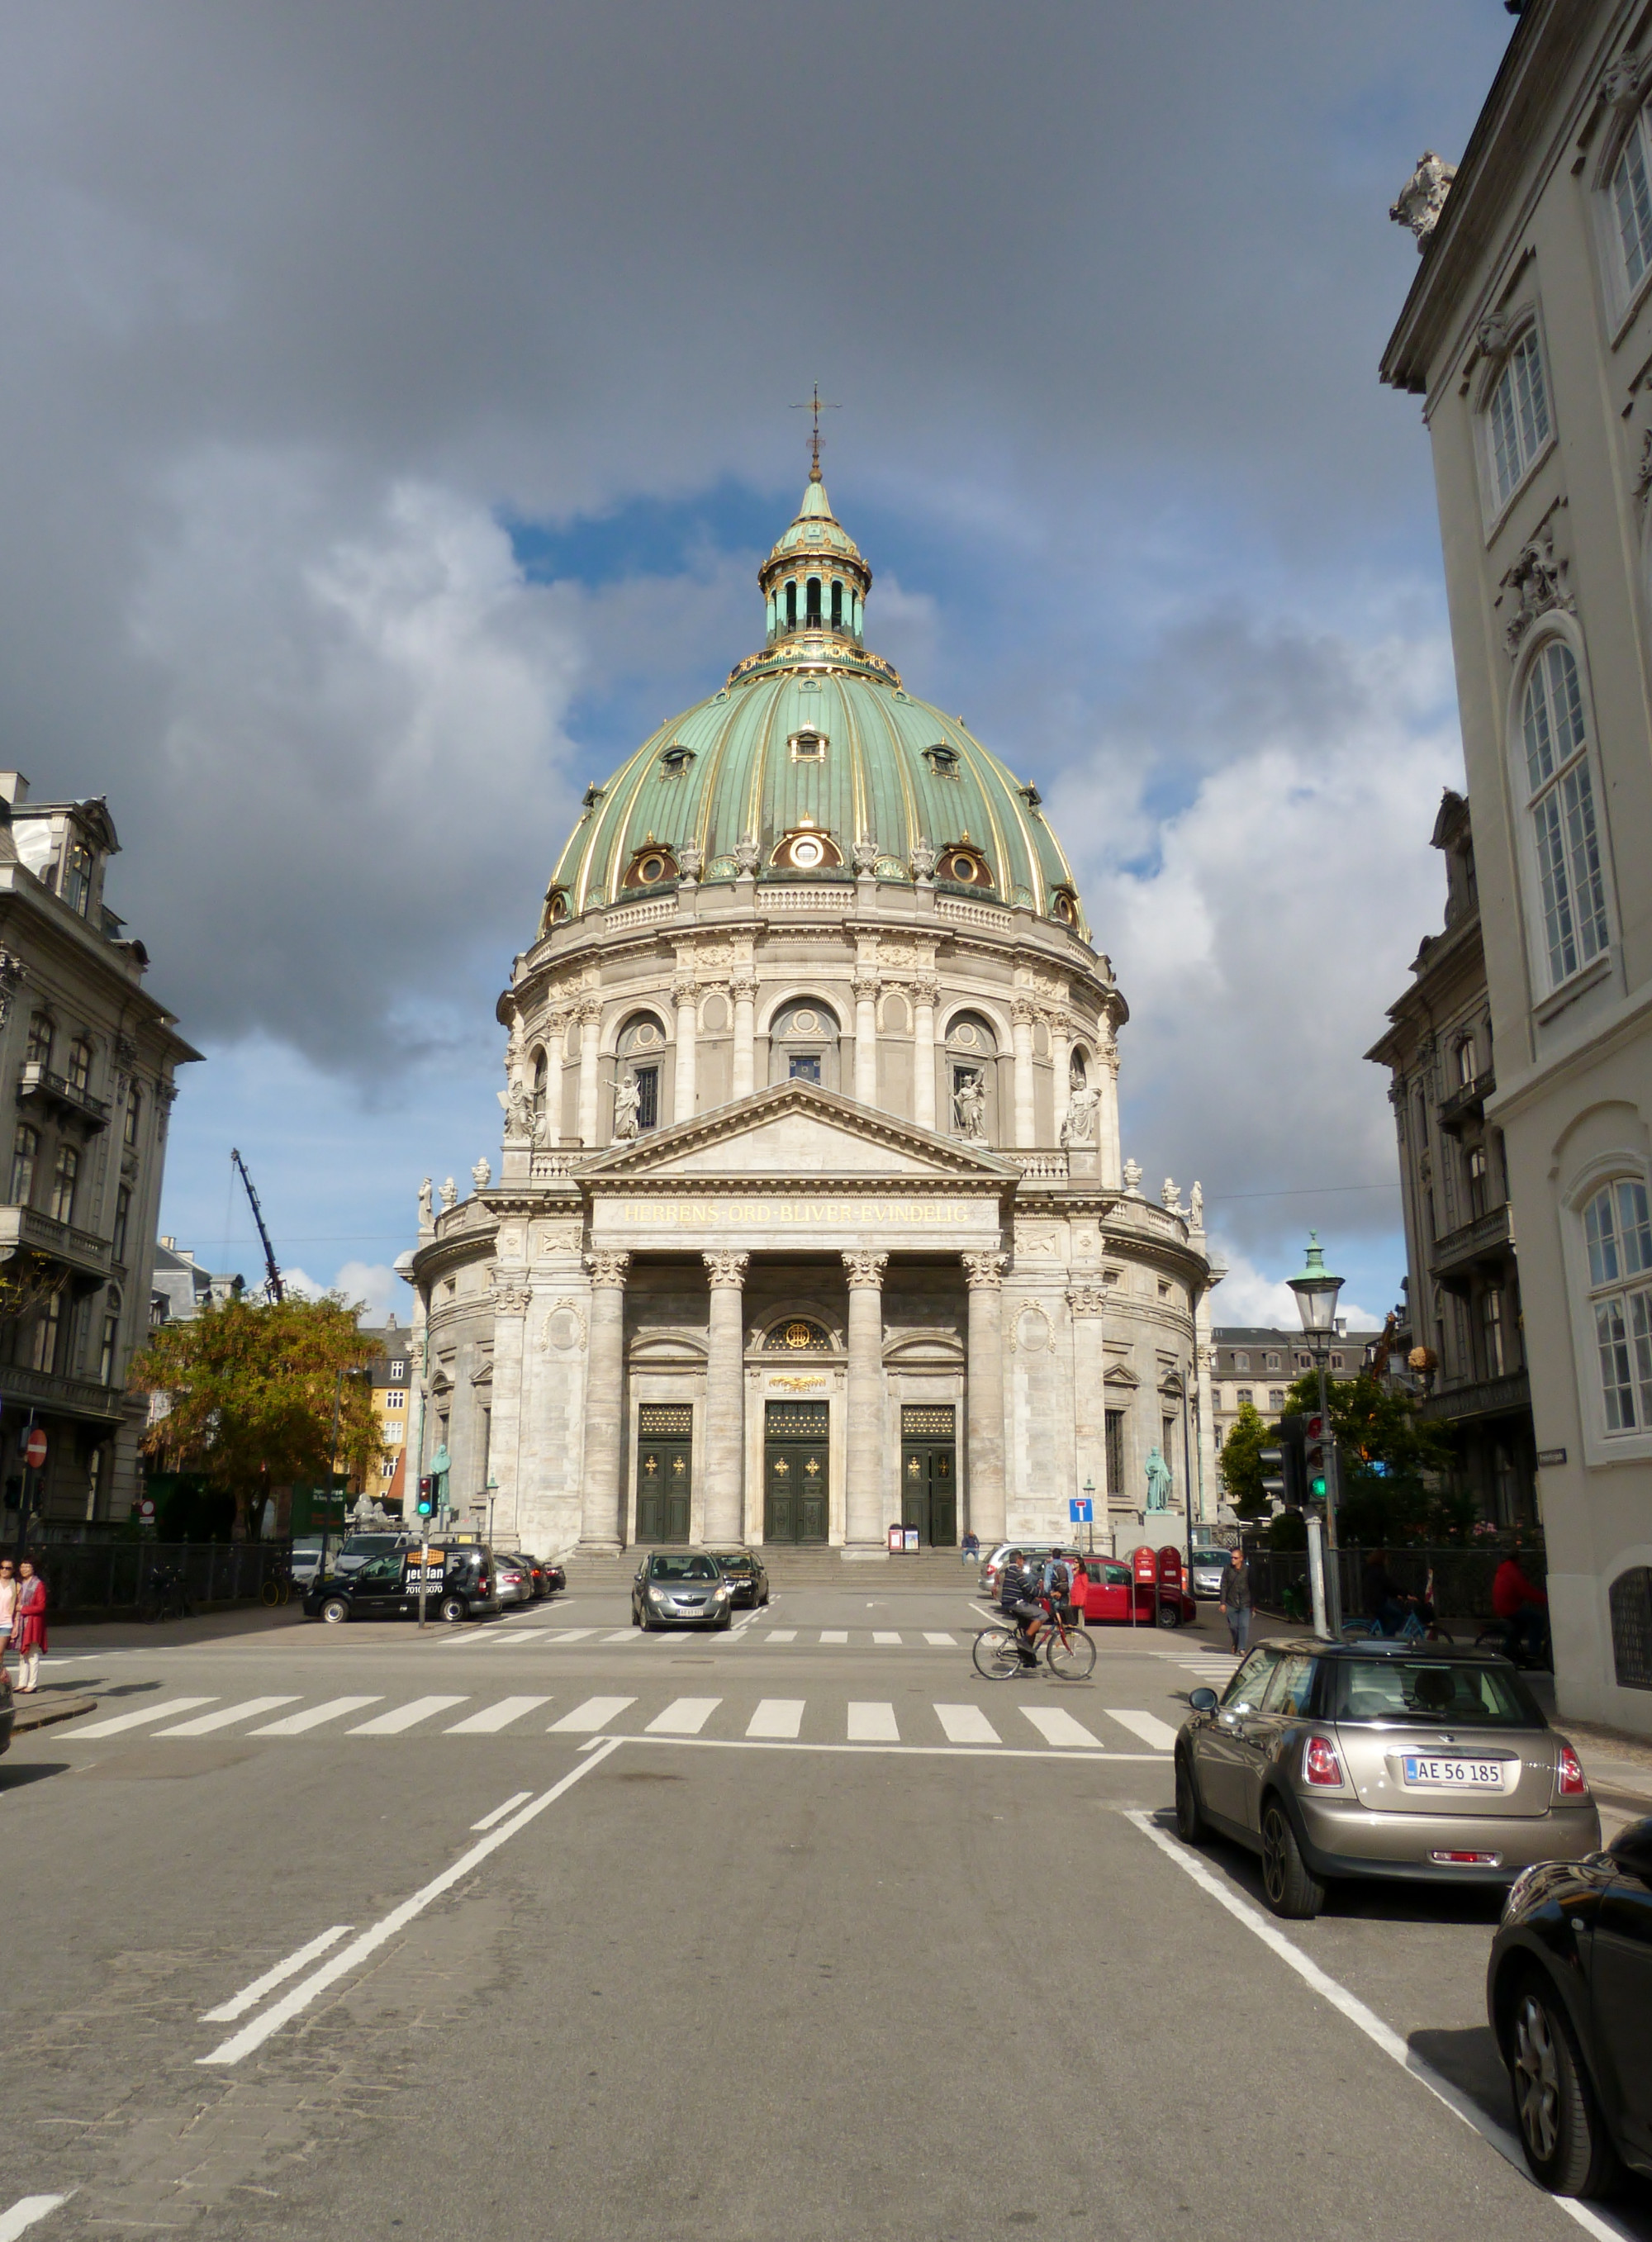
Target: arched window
48 1333
25 1151
803 1043
1561 807
641 1049
40 1035
542 1079
64 1174
812 615
837 603
122 1216
1632 205
1517 419
798 1335
791 606
1618 1233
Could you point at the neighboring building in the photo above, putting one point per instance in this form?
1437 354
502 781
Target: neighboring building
391 1370
1528 333
812 1218
180 1288
1462 1289
1257 1366
86 1075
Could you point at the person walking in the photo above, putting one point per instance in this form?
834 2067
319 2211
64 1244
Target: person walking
971 1547
1236 1599
29 1627
7 1605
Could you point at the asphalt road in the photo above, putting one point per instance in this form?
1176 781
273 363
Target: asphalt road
688 1937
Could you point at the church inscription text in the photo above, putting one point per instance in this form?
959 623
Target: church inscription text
793 1213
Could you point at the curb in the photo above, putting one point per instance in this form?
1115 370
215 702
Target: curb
43 1716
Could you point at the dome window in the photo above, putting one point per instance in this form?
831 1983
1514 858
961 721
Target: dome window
555 908
965 866
807 852
798 1335
651 865
675 761
943 760
1063 905
808 746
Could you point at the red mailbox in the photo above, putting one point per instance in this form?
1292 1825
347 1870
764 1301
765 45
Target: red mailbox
1145 1565
1170 1568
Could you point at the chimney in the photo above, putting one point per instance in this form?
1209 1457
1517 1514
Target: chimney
14 789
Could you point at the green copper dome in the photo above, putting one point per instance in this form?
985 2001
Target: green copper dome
813 762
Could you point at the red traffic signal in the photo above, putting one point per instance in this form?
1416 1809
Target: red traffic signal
1316 1428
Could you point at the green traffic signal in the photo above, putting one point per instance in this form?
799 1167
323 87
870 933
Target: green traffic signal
1316 1487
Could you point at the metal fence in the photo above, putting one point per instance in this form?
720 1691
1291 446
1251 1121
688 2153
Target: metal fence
90 1576
1462 1577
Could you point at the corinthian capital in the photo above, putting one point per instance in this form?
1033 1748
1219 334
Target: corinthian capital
727 1268
1023 1011
1087 1300
865 1269
984 1272
607 1269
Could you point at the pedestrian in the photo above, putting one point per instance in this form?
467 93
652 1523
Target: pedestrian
971 1547
1236 1599
29 1627
1521 1605
8 1606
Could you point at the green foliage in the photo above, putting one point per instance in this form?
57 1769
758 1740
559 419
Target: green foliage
1239 1465
1288 1531
1374 1423
252 1388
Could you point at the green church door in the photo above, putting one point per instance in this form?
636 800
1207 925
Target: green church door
929 1473
797 1458
665 1470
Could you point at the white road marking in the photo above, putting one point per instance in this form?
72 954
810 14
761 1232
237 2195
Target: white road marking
781 1634
684 1718
835 1634
310 1989
1366 2020
404 1716
673 1634
624 1635
122 1722
1058 1728
776 1717
570 1633
250 1995
498 1813
300 1724
1147 1726
27 2209
966 1724
492 1718
246 1711
942 1640
585 1720
885 1638
873 1724
517 1634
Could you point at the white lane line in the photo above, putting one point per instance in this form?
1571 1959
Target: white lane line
776 1717
1058 1728
835 1634
248 1710
516 1635
300 1724
966 1724
873 1724
885 1638
122 1722
492 1718
1147 1726
585 1720
516 1799
1379 2034
340 1965
28 2208
684 1718
942 1641
404 1716
250 1995
568 1634
674 1635
623 1634
781 1634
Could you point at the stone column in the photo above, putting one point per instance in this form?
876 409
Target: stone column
725 1466
687 993
1087 1305
512 1299
924 993
985 1485
600 1504
866 1039
864 1409
745 1001
555 1055
1026 1127
1109 1155
1206 1491
1060 1069
590 1019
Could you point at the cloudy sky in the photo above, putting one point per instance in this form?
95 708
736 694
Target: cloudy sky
398 402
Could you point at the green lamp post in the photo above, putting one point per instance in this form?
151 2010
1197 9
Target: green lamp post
1316 1291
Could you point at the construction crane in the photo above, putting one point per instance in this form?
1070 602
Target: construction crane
271 1274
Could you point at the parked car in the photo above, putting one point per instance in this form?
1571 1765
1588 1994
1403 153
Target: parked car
555 1580
1205 1574
1380 1759
459 1584
308 1560
515 1583
359 1548
535 1573
1033 1556
1569 1991
1113 1597
680 1587
744 1570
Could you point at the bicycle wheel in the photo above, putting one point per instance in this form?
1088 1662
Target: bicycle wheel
1070 1653
271 1593
996 1655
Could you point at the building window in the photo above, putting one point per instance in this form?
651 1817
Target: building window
65 1170
798 1335
123 1211
1246 1397
1274 1362
39 1052
108 1353
48 1326
1632 203
1630 1598
648 1082
1336 1362
395 1400
1561 804
25 1151
1619 1237
75 887
398 1374
1276 1398
1115 1443
128 1126
1477 1185
803 1066
1466 1067
80 1065
1241 1362
1518 416
1305 1362
1491 1324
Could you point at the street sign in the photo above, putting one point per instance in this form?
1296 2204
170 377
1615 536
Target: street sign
34 1453
1080 1510
146 1510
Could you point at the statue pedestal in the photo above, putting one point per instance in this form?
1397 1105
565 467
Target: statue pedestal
1081 1163
516 1162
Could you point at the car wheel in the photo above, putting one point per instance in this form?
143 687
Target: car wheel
1566 2145
1190 1825
452 1608
1169 1616
763 1599
335 1611
725 1622
645 1622
1288 1884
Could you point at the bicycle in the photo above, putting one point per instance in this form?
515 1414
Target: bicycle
277 1589
163 1597
1069 1652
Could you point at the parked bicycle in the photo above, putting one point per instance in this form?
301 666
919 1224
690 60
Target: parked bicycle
164 1595
1067 1650
277 1589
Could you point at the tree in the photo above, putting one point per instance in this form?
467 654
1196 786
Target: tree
251 1389
1392 1458
27 1282
1240 1462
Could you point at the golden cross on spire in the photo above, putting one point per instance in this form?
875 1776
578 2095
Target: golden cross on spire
816 406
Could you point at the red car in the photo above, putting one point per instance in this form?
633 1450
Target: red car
1105 1598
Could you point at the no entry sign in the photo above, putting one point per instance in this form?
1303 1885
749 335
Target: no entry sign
34 1451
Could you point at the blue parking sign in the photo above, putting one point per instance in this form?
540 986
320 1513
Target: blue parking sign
1078 1509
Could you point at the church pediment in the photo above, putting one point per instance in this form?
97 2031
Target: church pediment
796 1131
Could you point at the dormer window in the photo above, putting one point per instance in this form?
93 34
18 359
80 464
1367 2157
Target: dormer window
555 907
75 884
808 746
677 759
943 760
1063 905
806 850
964 865
651 865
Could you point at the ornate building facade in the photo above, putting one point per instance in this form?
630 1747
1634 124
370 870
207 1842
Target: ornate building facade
811 1216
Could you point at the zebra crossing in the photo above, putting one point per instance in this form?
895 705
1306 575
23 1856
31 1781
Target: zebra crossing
552 1638
773 1720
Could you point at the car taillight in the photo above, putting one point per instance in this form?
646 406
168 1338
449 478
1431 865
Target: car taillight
1321 1764
1569 1779
482 1585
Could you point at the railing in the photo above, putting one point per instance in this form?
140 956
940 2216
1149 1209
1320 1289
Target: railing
83 1576
988 915
1470 1240
626 915
1038 1167
75 1397
1479 1397
836 897
40 1080
27 1227
1469 1099
545 1167
1463 1576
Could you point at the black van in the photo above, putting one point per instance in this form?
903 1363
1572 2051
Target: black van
458 1584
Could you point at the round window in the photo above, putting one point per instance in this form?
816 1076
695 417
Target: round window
646 1033
805 1024
965 1034
808 852
650 869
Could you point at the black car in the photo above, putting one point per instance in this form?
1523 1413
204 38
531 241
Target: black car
459 1584
744 1570
555 1580
1568 1990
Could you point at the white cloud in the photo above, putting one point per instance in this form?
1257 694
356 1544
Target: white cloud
373 1286
1248 1297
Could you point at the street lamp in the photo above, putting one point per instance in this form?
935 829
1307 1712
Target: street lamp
1316 1291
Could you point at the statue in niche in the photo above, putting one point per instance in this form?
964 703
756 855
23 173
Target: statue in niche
1157 1481
1079 1122
449 1195
627 1100
970 1110
426 1204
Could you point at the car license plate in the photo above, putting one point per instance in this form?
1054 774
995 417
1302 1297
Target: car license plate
1453 1773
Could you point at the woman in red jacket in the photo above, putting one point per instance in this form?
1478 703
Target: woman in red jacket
29 1628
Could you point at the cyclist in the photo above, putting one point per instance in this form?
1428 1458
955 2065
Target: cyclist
1018 1601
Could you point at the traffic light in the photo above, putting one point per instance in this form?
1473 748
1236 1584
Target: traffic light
424 1498
1273 1463
1317 1457
1293 1445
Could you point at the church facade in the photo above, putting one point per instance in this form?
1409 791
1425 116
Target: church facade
811 1218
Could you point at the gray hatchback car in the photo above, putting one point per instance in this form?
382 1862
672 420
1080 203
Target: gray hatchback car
1380 1759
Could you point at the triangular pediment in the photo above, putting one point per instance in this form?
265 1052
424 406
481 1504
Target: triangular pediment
799 1130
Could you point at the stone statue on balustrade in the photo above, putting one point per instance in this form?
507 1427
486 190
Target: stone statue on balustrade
1159 1481
449 1195
1079 1122
426 1206
1196 1207
628 1100
970 1110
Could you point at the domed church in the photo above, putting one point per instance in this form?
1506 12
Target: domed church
810 1218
